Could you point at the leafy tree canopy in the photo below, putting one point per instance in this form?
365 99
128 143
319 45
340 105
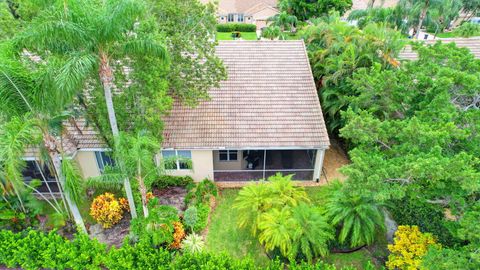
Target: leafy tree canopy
307 9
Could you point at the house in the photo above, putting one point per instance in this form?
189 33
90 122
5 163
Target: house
246 11
265 118
473 44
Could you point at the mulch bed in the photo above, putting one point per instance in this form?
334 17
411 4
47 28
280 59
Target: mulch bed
173 196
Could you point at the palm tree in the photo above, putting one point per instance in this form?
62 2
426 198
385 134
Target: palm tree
277 230
315 233
359 218
284 20
92 36
138 152
252 201
34 111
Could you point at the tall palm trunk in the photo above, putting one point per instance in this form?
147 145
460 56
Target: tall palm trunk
142 188
51 146
423 14
106 77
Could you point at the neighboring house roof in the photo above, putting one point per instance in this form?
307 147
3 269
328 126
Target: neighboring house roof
473 44
268 101
77 134
243 6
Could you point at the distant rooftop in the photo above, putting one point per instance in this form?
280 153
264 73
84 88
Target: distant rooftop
473 44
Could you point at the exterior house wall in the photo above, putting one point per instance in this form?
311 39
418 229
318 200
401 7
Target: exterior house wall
239 164
202 166
87 162
261 17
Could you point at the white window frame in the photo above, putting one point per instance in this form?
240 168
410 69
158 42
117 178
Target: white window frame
177 161
232 16
228 155
240 15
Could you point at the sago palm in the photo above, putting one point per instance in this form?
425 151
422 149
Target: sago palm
92 35
284 193
359 218
314 234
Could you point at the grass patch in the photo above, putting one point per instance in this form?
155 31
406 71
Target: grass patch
244 36
358 259
447 35
224 236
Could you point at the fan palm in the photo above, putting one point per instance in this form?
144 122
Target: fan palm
359 218
315 233
90 36
32 119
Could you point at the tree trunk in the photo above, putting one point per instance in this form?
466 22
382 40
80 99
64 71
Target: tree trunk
371 3
106 77
142 188
423 14
51 146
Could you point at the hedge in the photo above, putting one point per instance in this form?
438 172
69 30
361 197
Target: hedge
164 181
239 27
38 250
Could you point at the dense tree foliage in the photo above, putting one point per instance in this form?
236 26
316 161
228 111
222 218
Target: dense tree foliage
307 9
336 50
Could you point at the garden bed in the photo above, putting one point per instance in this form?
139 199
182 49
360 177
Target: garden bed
173 196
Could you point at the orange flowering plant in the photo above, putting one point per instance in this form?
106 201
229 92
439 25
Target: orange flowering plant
178 235
409 247
106 210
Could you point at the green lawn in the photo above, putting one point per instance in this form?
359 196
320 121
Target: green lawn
224 236
244 35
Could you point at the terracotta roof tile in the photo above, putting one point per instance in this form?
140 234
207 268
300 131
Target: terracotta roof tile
473 44
268 100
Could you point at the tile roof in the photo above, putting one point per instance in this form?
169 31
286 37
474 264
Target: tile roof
269 100
473 44
77 134
240 6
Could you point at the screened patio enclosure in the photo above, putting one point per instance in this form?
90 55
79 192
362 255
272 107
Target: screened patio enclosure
244 165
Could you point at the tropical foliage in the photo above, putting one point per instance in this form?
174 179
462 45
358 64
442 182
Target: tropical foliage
308 9
106 210
409 246
277 212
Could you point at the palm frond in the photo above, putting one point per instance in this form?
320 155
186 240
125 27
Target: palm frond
74 186
145 47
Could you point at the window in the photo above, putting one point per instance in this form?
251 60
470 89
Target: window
230 17
177 159
228 155
240 17
103 160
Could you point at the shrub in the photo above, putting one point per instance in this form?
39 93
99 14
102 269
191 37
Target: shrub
178 235
226 27
409 247
158 227
190 217
106 210
468 29
428 217
246 27
201 193
240 27
164 181
124 204
193 243
203 210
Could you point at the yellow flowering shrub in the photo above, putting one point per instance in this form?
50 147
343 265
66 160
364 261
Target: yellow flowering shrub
106 210
409 247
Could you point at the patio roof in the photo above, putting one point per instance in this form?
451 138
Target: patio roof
268 101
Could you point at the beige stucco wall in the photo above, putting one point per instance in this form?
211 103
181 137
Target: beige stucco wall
88 164
239 164
202 163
